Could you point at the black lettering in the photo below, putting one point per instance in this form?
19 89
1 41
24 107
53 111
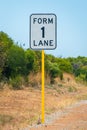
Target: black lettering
43 32
45 43
44 21
39 20
50 20
34 20
34 43
50 42
40 43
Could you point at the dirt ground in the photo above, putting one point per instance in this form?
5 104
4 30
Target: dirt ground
22 108
72 118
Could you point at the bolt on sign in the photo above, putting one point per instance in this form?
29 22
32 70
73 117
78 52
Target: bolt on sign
43 31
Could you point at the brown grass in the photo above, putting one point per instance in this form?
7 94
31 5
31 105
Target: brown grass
34 79
20 108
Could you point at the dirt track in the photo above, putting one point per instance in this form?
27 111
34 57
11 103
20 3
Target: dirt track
72 118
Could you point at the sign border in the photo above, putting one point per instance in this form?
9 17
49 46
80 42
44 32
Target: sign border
55 30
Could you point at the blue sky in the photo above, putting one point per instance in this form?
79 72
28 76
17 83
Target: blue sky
71 17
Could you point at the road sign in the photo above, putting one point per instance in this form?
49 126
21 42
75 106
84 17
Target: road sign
43 31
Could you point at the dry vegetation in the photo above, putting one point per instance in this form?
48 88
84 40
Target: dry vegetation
19 108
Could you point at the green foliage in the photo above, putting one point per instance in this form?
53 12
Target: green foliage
0 73
81 78
79 65
2 56
6 40
32 61
65 65
38 59
50 66
30 57
16 61
53 70
5 44
16 83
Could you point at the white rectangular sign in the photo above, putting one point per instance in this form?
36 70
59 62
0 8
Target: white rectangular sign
43 31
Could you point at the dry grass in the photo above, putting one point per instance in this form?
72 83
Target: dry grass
20 108
22 105
34 79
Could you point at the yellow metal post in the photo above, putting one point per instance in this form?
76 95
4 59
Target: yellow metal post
43 107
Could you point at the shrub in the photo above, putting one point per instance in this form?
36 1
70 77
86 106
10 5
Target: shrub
81 78
16 83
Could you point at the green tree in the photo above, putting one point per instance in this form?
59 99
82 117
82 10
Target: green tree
64 65
53 70
5 43
2 58
16 61
30 60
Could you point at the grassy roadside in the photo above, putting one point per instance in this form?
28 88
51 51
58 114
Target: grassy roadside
20 108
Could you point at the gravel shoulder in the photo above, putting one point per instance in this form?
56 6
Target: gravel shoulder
70 118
